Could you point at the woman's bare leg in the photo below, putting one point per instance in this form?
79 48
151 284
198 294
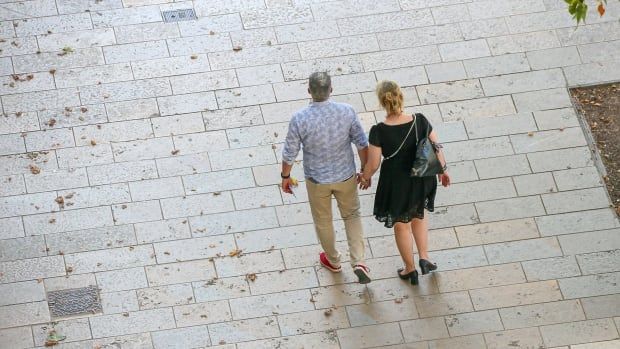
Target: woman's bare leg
420 235
404 242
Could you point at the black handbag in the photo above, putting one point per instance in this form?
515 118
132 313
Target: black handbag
425 163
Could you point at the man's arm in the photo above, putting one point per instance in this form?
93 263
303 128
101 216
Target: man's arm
292 145
358 137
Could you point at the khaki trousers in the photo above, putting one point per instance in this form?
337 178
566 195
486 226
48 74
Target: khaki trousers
320 197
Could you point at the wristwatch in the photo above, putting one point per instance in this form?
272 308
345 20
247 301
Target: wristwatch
285 177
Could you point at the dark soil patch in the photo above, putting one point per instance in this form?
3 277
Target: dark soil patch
600 105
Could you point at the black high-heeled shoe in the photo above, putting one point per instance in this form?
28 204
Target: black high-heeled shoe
413 276
426 266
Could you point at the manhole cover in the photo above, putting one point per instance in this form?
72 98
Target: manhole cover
179 15
74 302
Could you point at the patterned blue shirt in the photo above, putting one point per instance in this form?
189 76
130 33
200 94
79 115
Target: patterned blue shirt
325 131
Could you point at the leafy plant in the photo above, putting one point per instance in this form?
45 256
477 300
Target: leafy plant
579 8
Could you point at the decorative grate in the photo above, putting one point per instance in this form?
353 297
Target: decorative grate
179 15
72 302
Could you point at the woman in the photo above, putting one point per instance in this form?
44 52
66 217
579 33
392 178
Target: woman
401 199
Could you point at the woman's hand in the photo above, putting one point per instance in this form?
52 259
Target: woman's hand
444 179
363 183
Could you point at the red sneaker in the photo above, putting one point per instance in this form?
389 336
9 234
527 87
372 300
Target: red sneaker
325 262
363 273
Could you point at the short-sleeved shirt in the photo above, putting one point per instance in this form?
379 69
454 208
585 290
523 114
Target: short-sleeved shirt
325 131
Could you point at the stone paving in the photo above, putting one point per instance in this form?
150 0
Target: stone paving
136 155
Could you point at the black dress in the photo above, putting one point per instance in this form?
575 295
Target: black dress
399 197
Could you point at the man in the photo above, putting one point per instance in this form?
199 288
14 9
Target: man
325 131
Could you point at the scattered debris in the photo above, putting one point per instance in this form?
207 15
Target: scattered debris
237 48
83 109
52 221
175 152
51 122
34 169
398 300
53 338
52 71
69 269
65 51
328 312
235 253
251 277
60 201
92 142
193 57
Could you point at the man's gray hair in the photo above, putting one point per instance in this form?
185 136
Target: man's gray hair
320 84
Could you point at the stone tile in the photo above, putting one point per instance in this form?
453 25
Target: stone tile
444 72
24 314
401 58
394 289
601 307
231 118
525 42
175 125
476 108
580 178
183 164
471 323
221 289
113 132
69 281
125 16
165 274
254 37
384 246
478 191
93 75
90 239
313 321
575 200
171 229
257 135
199 82
370 336
524 338
146 32
233 222
40 100
548 140
424 329
259 18
86 262
384 22
381 312
181 337
595 241
18 46
32 9
280 281
497 126
49 139
77 39
56 180
604 345
156 188
588 34
196 143
119 302
250 263
12 144
136 212
338 46
121 280
28 247
454 215
46 61
260 75
75 329
195 205
170 66
56 24
11 228
135 51
211 25
599 262
339 295
484 28
333 65
478 149
254 56
542 100
244 96
444 92
218 181
27 204
576 222
417 37
557 118
514 251
554 268
465 342
229 159
496 65
523 82
347 8
589 286
579 332
466 279
122 172
502 166
542 314
514 295
17 337
560 159
12 123
218 7
136 322
244 330
22 292
122 91
193 249
165 296
443 304
284 237
68 220
553 58
271 304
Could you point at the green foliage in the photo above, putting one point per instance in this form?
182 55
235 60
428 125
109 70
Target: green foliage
579 8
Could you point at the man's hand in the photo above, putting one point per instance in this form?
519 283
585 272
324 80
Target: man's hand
444 179
363 183
287 185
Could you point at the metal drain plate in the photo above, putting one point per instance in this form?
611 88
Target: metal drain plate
179 15
73 302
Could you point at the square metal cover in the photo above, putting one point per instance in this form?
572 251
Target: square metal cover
73 302
179 15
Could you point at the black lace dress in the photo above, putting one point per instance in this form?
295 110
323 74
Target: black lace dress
399 197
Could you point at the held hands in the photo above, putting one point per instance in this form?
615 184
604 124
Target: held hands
287 185
363 183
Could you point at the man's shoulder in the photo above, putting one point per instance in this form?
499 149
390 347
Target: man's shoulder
343 106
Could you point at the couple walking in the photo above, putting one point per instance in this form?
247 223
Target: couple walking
324 132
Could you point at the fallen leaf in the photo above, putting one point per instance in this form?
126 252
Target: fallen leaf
123 206
251 277
52 71
51 122
217 193
83 109
52 221
193 57
175 152
69 269
398 300
34 169
126 314
601 9
237 48
531 134
60 201
92 142
328 312
235 253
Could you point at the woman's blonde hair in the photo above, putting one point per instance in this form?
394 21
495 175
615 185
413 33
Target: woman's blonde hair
390 96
